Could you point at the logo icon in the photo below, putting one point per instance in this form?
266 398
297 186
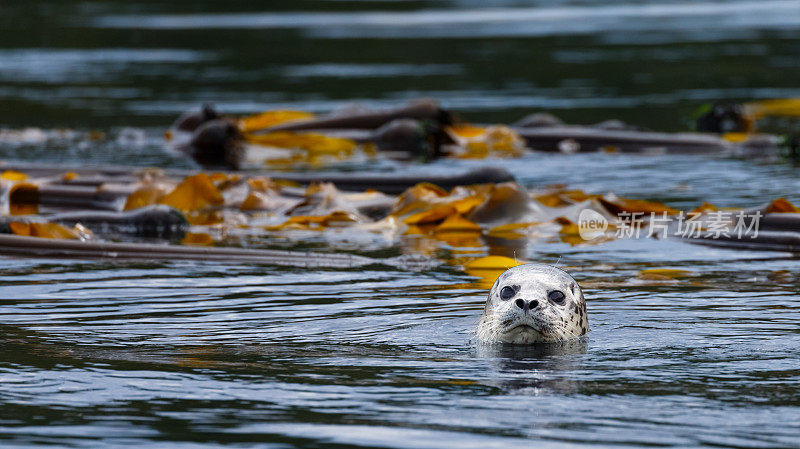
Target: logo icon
591 224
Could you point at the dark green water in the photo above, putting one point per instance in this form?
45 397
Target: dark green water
104 63
190 355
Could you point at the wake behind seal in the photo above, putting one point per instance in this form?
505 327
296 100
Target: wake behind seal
533 303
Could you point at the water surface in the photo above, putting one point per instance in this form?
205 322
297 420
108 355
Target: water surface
200 355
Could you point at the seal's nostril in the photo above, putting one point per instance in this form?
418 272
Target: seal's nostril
520 303
533 304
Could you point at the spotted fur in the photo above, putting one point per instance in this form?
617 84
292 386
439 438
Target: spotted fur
535 318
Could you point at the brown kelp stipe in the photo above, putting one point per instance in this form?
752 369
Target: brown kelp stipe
423 109
12 245
213 140
399 183
98 187
567 139
777 231
73 196
156 221
782 241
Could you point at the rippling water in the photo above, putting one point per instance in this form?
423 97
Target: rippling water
100 354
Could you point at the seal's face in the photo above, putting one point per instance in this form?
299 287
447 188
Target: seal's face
533 303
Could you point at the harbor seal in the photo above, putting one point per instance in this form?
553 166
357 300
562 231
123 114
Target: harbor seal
533 303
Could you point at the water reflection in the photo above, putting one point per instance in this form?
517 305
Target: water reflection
547 368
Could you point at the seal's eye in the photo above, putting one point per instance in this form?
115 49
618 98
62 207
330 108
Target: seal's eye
507 293
556 296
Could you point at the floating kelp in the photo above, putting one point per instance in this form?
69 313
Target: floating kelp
488 268
772 227
44 230
290 138
109 178
472 142
424 131
394 183
467 220
664 274
160 222
23 246
733 120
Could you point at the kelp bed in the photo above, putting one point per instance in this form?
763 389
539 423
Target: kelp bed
477 219
154 214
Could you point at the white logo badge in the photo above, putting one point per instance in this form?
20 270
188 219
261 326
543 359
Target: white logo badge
591 224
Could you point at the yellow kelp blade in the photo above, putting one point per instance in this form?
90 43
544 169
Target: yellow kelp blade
43 230
311 142
457 231
458 224
781 205
13 175
144 196
417 198
489 268
618 205
705 207
783 107
262 184
434 212
223 180
194 193
497 140
664 273
271 118
23 209
736 137
569 232
253 201
434 215
316 222
502 263
197 239
466 131
563 198
511 231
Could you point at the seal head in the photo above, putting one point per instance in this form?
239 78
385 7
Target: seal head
533 303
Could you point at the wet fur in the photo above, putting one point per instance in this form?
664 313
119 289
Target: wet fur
504 322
